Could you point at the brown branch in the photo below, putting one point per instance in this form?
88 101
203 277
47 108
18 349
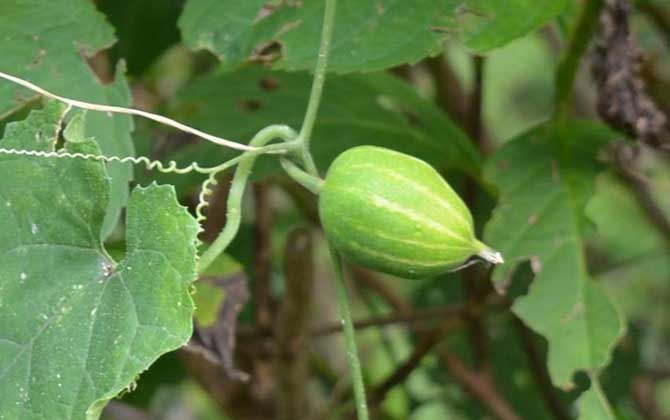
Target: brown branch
263 382
216 211
643 394
474 119
540 372
622 98
372 281
625 158
301 197
658 373
217 341
474 283
292 360
410 317
657 15
262 257
415 316
233 397
425 345
480 386
449 93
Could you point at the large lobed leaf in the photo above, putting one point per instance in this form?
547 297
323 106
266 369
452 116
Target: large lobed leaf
76 327
369 34
545 177
46 42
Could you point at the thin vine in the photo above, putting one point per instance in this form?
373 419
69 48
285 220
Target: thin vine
234 206
317 86
304 139
349 337
129 111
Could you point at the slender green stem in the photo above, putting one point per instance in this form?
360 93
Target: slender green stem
569 63
234 215
317 86
349 337
271 149
305 137
309 181
595 384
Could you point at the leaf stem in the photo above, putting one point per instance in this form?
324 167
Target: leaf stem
317 86
349 337
602 398
569 63
311 182
234 215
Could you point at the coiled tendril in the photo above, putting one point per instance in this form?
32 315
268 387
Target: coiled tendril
170 167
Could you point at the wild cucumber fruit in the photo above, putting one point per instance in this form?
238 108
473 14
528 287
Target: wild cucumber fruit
394 213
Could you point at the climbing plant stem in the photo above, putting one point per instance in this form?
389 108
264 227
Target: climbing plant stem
569 62
602 398
308 161
317 86
129 111
349 337
309 181
234 215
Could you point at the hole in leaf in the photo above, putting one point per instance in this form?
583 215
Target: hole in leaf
249 105
267 52
268 84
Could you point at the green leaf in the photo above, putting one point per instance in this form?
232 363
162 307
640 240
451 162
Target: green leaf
76 327
375 109
593 404
43 42
489 24
209 297
133 20
545 177
633 256
369 34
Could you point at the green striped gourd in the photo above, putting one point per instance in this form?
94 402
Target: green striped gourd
394 213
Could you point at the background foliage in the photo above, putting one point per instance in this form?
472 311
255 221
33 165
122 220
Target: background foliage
569 179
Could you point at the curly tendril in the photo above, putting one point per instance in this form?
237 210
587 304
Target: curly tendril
206 190
170 167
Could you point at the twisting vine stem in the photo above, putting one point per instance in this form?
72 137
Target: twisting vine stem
312 183
234 207
317 86
170 168
129 111
569 63
349 337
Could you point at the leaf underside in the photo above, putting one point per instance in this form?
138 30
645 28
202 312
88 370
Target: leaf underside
77 327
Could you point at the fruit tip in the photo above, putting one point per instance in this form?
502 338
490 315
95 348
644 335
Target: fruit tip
491 255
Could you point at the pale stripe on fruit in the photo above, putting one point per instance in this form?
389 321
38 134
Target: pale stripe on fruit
394 207
418 187
375 232
392 258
